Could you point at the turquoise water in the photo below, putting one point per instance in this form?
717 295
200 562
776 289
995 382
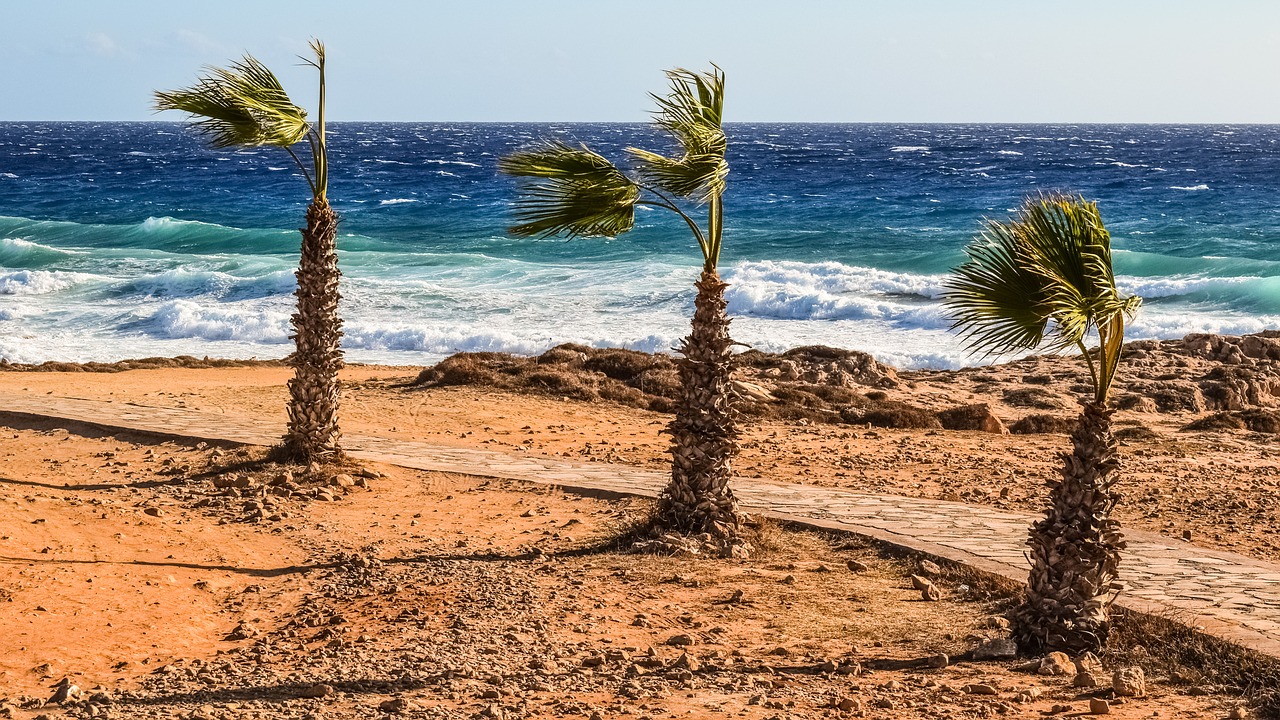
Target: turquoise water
129 239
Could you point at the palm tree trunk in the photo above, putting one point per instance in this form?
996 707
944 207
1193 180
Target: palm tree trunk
704 433
313 392
1075 549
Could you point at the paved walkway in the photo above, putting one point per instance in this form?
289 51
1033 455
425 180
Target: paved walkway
1230 595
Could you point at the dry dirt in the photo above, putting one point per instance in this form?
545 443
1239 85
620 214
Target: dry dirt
127 572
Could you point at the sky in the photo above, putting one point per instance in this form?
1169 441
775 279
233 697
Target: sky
596 60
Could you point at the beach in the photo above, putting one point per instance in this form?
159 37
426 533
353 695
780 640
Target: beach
192 589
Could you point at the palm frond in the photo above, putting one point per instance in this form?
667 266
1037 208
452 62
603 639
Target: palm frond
577 192
692 113
243 105
1044 278
996 301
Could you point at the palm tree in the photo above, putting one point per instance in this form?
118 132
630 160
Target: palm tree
1044 280
577 192
245 106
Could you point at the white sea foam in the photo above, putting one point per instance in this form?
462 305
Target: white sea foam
190 320
38 282
909 148
183 282
1008 152
788 290
463 163
1189 188
9 176
397 201
1158 287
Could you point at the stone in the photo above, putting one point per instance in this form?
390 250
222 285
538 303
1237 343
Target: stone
979 689
65 691
399 705
681 640
848 704
1085 680
855 566
319 690
687 662
153 511
996 649
937 661
1238 713
1056 663
1129 682
931 593
343 480
1099 706
930 568
1088 663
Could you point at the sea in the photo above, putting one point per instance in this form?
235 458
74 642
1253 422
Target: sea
126 240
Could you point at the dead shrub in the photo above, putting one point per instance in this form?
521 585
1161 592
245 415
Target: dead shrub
1040 424
892 414
1037 398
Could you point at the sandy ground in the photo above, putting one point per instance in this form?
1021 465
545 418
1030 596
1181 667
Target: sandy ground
125 569
1216 489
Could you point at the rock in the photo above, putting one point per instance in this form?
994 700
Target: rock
399 705
243 631
931 593
996 622
972 417
855 566
1060 708
930 568
1238 713
789 580
1085 680
1099 706
687 662
319 690
681 640
1088 663
1056 663
153 511
937 661
223 482
979 689
1129 682
65 691
996 649
848 704
343 480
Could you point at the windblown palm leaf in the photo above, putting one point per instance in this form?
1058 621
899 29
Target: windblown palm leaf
692 113
1044 277
243 105
580 194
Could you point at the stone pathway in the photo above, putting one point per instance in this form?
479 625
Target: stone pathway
1229 595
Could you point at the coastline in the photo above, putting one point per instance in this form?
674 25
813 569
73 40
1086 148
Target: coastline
1195 421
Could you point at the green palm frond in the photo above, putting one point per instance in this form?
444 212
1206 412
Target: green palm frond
577 193
1042 279
691 112
996 301
243 105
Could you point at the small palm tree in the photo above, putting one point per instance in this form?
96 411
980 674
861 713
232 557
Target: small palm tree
1044 280
245 106
577 192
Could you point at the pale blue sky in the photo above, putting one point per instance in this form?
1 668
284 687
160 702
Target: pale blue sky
800 60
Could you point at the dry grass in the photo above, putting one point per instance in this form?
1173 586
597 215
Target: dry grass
1166 646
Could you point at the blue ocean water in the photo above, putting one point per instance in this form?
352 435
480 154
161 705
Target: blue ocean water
131 239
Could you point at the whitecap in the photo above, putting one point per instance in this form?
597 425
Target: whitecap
397 201
1189 188
909 148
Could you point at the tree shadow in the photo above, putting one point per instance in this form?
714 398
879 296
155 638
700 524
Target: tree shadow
141 484
252 572
29 421
288 691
